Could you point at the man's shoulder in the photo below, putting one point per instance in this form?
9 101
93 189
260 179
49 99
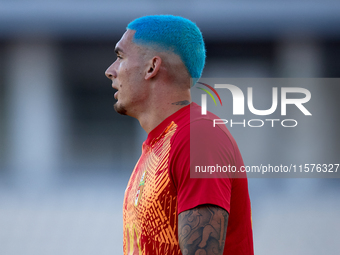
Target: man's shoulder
193 121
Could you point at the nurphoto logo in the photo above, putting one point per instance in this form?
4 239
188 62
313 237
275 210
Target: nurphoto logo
238 105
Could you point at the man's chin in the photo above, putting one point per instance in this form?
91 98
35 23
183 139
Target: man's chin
120 109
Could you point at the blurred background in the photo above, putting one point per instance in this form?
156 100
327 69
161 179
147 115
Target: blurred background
66 156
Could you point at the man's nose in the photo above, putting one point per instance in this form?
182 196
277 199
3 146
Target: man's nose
110 72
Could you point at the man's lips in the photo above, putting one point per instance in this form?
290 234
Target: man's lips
114 86
115 95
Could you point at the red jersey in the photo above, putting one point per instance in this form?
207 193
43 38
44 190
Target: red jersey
160 186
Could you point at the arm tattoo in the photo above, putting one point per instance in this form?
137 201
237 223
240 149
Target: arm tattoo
202 230
184 102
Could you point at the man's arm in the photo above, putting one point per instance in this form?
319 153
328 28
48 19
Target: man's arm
202 230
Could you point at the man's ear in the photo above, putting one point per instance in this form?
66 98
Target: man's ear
153 67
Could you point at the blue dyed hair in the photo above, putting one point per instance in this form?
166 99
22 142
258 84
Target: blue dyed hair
175 34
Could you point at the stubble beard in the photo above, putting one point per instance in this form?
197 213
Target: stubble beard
119 109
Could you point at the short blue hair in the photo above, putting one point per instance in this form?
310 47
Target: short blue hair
172 33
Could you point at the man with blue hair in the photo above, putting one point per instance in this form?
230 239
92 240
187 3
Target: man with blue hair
159 58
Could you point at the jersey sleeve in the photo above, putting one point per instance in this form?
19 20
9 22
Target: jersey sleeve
200 144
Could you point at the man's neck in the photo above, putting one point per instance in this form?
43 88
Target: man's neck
152 118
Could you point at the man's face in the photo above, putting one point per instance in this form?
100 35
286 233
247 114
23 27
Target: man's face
127 75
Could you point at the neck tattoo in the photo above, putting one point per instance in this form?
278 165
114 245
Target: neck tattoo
184 102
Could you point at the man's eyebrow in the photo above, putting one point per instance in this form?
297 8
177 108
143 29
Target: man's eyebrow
118 50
